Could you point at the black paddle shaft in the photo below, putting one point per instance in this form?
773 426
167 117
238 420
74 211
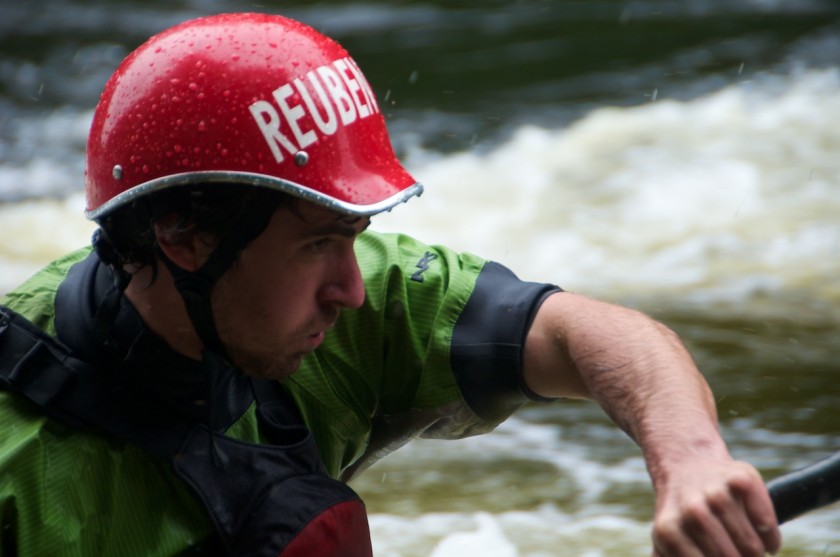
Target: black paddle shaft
807 489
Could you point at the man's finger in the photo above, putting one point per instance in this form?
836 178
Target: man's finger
759 509
739 528
671 540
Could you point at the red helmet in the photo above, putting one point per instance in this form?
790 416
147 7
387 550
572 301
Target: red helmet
247 98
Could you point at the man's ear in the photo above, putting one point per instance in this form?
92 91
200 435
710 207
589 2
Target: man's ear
185 247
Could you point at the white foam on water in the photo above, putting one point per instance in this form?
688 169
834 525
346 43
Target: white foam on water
549 532
720 198
543 532
36 232
584 471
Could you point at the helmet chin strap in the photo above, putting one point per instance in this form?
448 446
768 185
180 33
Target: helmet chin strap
196 287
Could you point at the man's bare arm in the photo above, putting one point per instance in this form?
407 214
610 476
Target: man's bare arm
641 374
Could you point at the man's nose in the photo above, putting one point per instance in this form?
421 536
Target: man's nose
344 288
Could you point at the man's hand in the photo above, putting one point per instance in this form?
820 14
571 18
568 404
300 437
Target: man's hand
714 509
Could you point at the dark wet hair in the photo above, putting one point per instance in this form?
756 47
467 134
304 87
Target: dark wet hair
217 209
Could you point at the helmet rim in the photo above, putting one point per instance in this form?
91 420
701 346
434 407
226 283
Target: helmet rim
220 177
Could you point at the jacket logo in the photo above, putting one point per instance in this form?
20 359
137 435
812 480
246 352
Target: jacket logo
314 105
423 265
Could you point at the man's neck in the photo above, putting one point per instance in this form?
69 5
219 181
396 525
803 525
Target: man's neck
162 309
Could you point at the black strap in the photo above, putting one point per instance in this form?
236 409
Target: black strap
41 368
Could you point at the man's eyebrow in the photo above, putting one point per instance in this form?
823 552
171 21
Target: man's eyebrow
340 227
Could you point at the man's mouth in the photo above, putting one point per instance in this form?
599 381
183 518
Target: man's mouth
316 339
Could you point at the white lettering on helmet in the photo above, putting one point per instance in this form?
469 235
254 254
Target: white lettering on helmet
271 128
313 106
292 115
365 86
330 124
352 86
338 91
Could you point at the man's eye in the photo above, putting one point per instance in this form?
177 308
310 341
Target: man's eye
319 244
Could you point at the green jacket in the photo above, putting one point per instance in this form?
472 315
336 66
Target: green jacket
435 351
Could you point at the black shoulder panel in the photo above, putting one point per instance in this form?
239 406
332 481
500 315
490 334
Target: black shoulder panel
489 339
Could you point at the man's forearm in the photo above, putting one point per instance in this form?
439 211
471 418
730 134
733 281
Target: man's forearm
636 369
645 379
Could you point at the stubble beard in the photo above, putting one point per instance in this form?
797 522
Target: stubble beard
280 366
276 368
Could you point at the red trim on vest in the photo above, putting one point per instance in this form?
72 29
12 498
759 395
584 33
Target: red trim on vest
340 531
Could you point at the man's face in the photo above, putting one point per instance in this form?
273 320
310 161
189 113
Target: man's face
286 290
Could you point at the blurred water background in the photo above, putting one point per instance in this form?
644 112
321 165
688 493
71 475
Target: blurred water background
680 157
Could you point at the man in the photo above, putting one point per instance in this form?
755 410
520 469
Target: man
236 342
